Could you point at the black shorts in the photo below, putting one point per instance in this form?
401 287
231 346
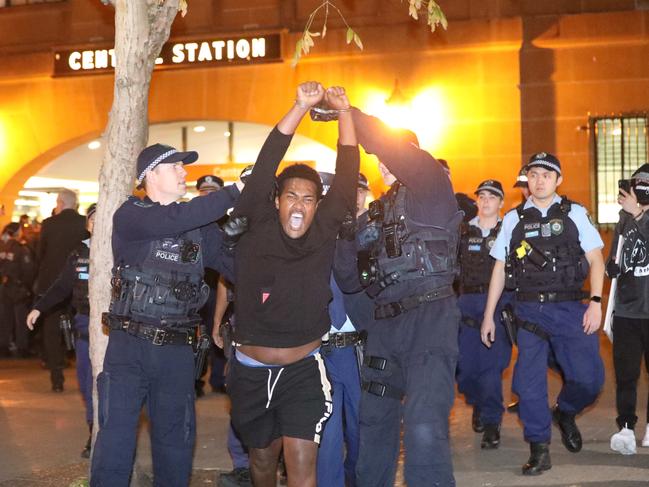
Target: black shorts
270 402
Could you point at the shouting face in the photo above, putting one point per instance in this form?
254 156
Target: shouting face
297 205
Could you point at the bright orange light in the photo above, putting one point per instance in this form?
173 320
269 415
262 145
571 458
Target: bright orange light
424 114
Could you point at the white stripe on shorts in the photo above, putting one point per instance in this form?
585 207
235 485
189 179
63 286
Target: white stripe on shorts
326 390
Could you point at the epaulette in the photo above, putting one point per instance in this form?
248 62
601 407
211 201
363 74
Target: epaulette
141 203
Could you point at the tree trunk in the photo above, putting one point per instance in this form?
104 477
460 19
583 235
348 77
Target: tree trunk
141 28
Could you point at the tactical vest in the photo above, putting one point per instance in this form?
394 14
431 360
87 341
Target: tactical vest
556 237
81 257
426 254
167 289
475 262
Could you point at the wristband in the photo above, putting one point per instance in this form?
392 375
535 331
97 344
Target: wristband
596 299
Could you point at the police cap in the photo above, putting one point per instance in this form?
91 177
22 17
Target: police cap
546 161
209 181
493 186
156 154
521 180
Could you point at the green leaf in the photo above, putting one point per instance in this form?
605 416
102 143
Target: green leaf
298 52
350 35
358 42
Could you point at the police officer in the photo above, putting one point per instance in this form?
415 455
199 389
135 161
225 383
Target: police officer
18 273
544 250
479 369
160 247
205 185
73 282
407 247
631 319
338 450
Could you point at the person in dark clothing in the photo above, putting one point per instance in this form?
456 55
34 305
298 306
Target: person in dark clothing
160 249
631 318
278 384
59 235
73 283
18 272
405 253
206 185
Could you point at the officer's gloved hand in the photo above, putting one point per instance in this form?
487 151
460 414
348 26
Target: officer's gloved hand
348 228
233 229
612 270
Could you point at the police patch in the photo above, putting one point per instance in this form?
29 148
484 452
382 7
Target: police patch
531 234
490 242
556 226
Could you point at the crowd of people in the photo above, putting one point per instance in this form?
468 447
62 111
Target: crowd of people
345 327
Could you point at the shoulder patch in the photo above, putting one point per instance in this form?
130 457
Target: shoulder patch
142 204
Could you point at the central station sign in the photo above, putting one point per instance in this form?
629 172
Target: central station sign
224 51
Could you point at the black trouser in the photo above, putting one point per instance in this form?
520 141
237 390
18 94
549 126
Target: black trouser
53 344
630 343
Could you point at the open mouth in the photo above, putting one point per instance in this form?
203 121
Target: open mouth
295 221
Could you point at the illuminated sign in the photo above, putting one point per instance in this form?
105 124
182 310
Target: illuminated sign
225 51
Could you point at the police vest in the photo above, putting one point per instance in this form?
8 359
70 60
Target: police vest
408 253
81 262
475 262
167 289
554 238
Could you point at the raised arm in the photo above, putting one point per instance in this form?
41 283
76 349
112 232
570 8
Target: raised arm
341 198
413 167
255 198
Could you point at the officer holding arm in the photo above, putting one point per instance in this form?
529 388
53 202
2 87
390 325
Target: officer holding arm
544 251
160 249
405 253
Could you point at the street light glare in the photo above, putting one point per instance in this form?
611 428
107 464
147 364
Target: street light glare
94 145
199 129
424 114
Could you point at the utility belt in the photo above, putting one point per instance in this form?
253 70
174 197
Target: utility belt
551 297
396 308
153 334
342 339
479 289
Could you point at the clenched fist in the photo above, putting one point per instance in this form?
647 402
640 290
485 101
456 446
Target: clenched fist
309 94
336 98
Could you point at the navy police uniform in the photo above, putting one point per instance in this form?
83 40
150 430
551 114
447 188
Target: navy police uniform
550 298
73 281
407 262
160 252
479 369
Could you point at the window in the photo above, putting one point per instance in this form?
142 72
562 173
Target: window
620 148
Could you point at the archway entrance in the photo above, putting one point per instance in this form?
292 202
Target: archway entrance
224 149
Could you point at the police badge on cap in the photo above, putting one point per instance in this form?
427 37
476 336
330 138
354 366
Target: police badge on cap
209 182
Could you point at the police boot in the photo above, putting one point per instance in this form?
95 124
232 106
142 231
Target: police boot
570 435
539 460
490 437
476 423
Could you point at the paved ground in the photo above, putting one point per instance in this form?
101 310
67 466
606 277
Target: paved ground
42 434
